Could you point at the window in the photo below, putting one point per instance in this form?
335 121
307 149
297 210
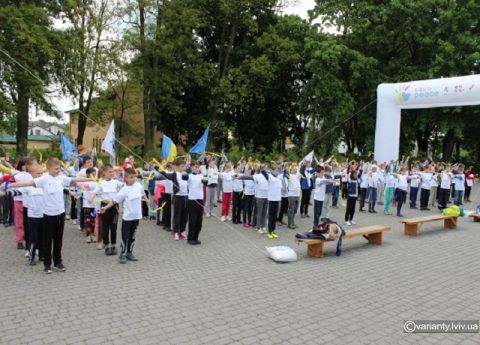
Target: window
37 132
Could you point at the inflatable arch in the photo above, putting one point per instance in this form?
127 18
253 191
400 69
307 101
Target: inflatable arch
434 93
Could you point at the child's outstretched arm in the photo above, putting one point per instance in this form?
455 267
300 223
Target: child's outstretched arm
27 183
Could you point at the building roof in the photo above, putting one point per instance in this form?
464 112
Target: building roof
7 138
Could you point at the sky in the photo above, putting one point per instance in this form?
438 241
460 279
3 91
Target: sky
293 7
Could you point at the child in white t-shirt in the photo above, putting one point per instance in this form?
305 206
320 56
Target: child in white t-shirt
130 196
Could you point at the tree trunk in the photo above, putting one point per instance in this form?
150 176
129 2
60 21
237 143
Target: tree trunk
22 119
448 144
147 87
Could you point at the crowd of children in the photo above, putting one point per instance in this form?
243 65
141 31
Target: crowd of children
37 198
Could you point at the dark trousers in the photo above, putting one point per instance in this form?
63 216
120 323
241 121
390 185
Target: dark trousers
443 196
363 196
372 198
413 196
35 227
109 221
283 209
350 210
424 196
145 212
273 207
180 215
195 218
401 197
335 195
129 228
7 209
236 207
53 237
317 212
247 208
305 200
167 210
468 190
26 233
344 189
73 208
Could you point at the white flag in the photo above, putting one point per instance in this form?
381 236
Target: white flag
308 157
108 144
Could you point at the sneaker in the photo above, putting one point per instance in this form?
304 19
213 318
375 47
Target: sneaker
270 236
59 267
307 216
353 223
108 250
113 250
122 259
208 215
100 246
32 262
400 215
131 257
67 217
74 222
47 270
246 225
302 216
261 231
194 242
27 254
176 237
182 236
88 239
223 218
348 223
229 218
20 246
274 234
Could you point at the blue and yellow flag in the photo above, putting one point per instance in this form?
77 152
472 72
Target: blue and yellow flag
169 150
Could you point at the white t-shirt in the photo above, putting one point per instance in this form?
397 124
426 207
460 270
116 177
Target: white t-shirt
261 186
195 187
249 187
53 192
402 182
274 188
414 180
445 181
227 181
237 185
212 174
389 181
364 181
319 191
426 180
459 180
108 189
293 185
87 188
131 199
35 199
22 176
375 180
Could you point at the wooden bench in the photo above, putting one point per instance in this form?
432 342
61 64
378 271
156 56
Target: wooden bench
373 233
476 217
413 225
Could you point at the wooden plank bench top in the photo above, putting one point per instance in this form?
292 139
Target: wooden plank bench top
413 225
476 217
373 233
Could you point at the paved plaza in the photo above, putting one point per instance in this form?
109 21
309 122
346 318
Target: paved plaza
227 291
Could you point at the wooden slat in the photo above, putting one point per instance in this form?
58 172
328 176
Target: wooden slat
425 219
373 229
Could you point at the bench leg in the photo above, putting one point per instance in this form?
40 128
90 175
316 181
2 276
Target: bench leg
315 250
476 219
376 238
412 229
450 223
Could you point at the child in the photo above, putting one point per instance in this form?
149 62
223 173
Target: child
306 183
167 199
88 211
374 180
352 195
195 203
401 189
319 194
179 201
106 191
261 199
293 191
130 196
274 197
52 184
389 191
284 203
212 181
414 183
459 182
444 191
426 178
327 201
247 202
237 197
363 190
227 190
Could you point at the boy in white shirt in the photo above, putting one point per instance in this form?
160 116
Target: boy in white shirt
88 208
212 182
426 178
52 184
293 191
195 203
227 189
130 196
274 197
459 181
320 184
237 197
106 191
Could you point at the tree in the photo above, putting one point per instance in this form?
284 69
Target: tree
28 55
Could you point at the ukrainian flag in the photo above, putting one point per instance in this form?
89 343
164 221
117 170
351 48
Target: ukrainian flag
169 150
